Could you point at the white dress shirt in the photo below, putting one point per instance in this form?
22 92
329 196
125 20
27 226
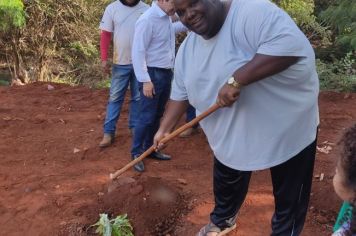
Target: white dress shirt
154 42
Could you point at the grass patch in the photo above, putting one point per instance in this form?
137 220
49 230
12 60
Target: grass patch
101 84
4 83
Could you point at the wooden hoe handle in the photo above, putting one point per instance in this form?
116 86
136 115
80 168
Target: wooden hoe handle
165 140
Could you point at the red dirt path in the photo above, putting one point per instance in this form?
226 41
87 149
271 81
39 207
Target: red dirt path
54 178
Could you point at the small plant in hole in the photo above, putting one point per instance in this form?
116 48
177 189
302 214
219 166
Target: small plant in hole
120 226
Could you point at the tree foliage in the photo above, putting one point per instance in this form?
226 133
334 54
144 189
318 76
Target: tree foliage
60 40
12 19
11 14
342 18
302 12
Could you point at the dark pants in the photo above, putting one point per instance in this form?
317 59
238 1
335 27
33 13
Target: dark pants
291 189
151 109
190 115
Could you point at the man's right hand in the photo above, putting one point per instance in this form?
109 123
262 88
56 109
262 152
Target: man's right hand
157 138
105 67
148 89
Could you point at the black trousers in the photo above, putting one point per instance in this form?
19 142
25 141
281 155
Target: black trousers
291 189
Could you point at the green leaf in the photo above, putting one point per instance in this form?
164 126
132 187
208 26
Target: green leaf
103 225
121 226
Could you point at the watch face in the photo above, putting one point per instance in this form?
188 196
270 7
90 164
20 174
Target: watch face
231 80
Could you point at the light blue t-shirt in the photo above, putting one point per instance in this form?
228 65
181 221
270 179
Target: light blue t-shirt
274 118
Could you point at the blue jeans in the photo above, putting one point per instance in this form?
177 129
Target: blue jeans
122 76
151 109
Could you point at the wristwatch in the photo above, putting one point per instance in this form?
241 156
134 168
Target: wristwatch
232 82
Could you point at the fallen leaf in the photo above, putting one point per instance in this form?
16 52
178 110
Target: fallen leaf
182 181
329 143
325 149
347 95
321 177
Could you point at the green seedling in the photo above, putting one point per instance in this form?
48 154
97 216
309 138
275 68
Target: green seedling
120 226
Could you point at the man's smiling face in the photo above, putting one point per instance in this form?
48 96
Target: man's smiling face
200 15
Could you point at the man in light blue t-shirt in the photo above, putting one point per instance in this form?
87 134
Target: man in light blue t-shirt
249 57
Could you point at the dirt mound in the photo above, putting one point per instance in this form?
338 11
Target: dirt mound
154 205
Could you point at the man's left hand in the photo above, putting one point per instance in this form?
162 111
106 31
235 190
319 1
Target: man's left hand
228 95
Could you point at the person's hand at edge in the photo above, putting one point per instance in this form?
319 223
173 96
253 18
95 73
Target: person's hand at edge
148 89
157 138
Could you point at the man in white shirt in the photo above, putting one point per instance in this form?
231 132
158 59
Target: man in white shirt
153 54
119 19
249 57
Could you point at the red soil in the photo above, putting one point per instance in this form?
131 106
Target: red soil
54 177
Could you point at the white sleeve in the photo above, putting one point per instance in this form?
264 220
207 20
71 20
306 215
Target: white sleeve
106 22
179 92
142 38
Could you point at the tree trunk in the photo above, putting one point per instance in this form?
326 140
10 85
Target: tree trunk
19 74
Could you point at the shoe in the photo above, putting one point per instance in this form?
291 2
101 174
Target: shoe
160 156
211 228
107 140
139 166
188 132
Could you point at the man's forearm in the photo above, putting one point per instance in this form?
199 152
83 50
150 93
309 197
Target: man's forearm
105 38
262 66
139 65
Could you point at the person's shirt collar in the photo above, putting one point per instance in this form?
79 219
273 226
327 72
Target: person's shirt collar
158 10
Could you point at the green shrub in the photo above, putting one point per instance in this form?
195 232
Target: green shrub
341 16
339 75
11 14
104 83
86 50
302 12
120 226
60 41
